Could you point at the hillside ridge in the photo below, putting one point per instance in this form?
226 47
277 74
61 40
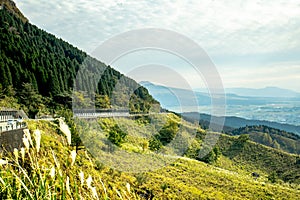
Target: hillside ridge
11 6
40 71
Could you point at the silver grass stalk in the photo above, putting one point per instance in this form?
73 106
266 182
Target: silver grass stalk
3 162
73 156
37 138
16 154
52 172
94 192
68 185
28 136
65 129
89 181
23 153
128 187
81 176
26 142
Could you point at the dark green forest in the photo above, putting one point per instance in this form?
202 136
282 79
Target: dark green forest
271 137
37 64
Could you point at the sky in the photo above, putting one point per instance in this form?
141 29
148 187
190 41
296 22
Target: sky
252 44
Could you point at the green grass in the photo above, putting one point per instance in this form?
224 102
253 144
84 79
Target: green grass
254 157
181 179
189 179
33 177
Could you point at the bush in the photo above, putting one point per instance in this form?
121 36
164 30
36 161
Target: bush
155 144
273 177
116 135
243 138
212 156
168 132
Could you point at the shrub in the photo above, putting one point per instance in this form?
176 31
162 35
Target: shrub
154 144
116 135
212 156
168 132
273 177
165 136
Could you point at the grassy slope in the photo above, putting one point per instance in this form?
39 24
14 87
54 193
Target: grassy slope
241 162
184 179
255 157
191 179
204 180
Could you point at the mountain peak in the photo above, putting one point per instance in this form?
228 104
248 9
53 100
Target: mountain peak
11 7
269 91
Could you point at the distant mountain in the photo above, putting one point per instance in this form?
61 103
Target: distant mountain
263 92
276 109
176 97
173 97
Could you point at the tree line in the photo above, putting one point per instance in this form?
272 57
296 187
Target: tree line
34 63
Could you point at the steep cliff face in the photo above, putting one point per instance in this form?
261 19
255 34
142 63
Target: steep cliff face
11 7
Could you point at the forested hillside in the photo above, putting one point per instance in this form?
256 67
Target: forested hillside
33 61
271 137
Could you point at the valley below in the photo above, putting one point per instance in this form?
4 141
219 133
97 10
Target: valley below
77 128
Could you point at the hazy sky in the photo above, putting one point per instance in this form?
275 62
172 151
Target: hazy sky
252 43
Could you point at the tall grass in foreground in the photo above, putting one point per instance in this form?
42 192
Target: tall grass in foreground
37 172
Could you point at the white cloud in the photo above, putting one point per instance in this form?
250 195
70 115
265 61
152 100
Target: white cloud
219 26
286 75
223 28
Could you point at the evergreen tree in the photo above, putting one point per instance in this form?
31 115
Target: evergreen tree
50 65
